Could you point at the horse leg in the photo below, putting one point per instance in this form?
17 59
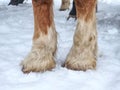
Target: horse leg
83 53
72 13
41 57
65 5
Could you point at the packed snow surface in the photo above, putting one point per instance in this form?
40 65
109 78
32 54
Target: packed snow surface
16 31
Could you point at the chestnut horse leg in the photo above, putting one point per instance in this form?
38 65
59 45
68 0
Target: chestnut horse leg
65 5
41 57
83 53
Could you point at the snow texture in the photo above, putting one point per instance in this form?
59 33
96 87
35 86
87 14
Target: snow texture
16 31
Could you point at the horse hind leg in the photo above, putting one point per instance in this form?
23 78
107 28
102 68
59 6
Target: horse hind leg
64 5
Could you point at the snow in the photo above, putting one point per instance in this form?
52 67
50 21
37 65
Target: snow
117 2
16 31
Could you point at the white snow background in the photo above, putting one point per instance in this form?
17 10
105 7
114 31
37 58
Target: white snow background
16 31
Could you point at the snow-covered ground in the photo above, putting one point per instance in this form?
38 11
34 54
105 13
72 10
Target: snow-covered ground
16 31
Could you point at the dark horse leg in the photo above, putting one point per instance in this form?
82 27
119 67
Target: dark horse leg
72 12
16 2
